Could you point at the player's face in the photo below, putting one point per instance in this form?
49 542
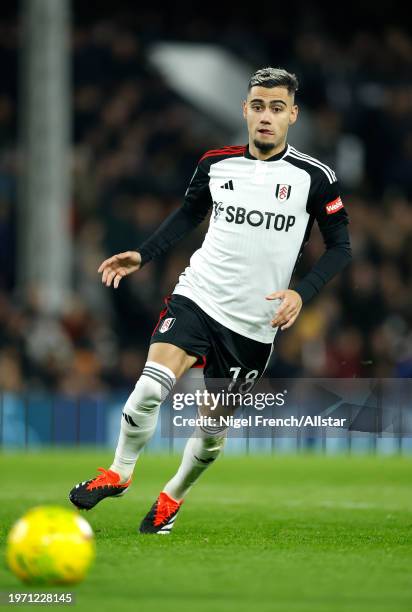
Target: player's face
269 112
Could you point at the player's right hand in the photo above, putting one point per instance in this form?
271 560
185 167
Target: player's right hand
118 266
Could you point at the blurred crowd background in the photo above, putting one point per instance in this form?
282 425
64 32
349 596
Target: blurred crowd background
135 146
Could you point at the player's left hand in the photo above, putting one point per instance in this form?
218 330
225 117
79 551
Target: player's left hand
289 309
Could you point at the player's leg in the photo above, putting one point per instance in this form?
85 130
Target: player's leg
165 364
201 450
231 359
176 339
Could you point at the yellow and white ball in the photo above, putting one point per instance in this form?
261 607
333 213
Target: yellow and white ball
50 545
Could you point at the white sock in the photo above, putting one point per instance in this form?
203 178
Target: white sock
202 448
139 416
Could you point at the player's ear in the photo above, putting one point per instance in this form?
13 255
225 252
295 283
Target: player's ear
244 108
293 114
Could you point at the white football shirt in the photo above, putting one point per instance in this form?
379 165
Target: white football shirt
262 215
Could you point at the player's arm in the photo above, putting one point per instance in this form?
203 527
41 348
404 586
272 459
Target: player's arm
196 205
326 206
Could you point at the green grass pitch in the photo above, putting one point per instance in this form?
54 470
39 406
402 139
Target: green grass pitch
259 533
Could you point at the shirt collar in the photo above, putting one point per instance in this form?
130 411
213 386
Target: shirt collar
273 158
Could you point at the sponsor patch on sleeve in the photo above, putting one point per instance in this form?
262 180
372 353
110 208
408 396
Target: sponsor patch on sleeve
334 206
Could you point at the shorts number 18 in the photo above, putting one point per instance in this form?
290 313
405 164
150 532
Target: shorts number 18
250 379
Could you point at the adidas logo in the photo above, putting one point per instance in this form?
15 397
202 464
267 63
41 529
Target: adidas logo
129 419
228 185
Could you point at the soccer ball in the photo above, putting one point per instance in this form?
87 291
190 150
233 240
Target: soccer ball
50 545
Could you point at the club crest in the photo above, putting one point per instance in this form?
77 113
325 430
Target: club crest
166 325
218 208
283 192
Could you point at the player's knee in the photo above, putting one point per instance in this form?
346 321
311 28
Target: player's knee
152 388
147 394
214 438
215 444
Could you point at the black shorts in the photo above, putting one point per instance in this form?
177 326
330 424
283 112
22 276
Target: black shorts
223 354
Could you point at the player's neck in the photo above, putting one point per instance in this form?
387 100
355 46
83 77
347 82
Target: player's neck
263 155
